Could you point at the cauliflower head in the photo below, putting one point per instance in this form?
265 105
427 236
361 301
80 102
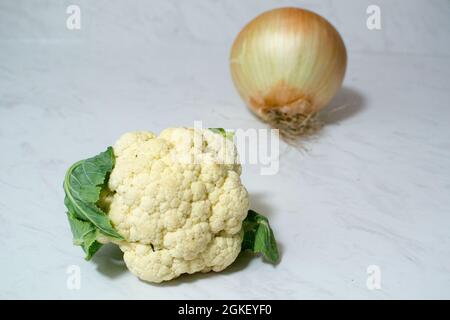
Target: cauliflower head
178 202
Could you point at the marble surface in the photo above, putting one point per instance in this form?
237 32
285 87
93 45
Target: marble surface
372 189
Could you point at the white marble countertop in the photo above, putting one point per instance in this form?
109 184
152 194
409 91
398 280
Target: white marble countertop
372 189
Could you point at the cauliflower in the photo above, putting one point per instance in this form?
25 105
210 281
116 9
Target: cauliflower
173 203
177 212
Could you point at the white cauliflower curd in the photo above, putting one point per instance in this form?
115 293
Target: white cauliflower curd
178 202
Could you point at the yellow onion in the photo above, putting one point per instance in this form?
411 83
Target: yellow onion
287 64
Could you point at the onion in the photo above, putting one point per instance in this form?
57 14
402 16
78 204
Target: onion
287 64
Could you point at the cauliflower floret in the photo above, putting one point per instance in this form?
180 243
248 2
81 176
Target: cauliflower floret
178 201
